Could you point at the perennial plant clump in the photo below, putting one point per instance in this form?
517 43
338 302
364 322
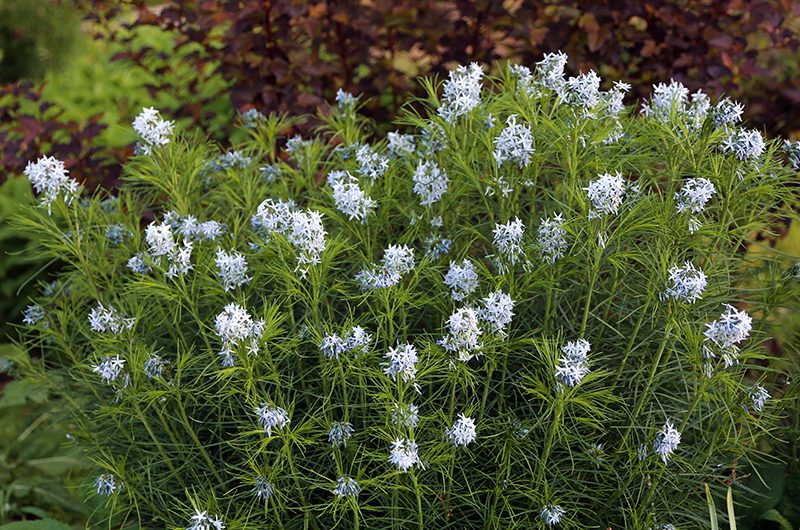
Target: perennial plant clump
529 308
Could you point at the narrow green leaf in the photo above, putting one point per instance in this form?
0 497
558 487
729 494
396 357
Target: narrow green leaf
731 514
712 510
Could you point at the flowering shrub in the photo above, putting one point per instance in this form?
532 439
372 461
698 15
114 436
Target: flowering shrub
528 309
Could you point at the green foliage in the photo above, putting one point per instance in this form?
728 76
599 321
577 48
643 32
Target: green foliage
191 439
38 475
19 260
35 37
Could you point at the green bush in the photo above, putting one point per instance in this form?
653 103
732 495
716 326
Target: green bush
531 309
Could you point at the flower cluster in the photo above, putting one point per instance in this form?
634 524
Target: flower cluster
497 311
573 365
49 178
272 417
461 279
745 144
606 194
154 366
102 320
758 396
685 283
430 182
356 339
234 326
152 130
400 144
111 369
262 489
232 269
463 432
667 440
191 228
161 244
404 454
346 101
350 199
551 240
402 363
514 144
508 240
552 514
107 484
340 432
464 334
34 314
723 335
346 487
303 230
397 261
405 416
203 521
371 164
462 92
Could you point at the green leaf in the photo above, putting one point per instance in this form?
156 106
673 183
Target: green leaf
731 514
776 517
44 524
712 509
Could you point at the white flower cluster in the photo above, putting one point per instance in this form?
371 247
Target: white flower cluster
161 243
372 165
272 417
234 325
203 521
111 369
397 261
116 234
346 487
497 310
402 363
463 431
356 339
551 240
606 194
350 199
461 279
103 319
262 489
685 283
137 264
252 118
744 143
49 178
552 514
232 269
154 366
303 230
405 416
297 147
190 227
583 91
462 92
107 484
340 432
430 182
230 160
346 101
34 314
723 335
514 144
693 197
400 144
573 365
727 112
671 103
792 150
404 454
667 440
508 240
152 130
758 397
464 334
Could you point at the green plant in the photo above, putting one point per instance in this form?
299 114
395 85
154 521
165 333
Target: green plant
532 310
38 475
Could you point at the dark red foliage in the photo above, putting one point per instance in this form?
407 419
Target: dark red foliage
30 127
284 55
